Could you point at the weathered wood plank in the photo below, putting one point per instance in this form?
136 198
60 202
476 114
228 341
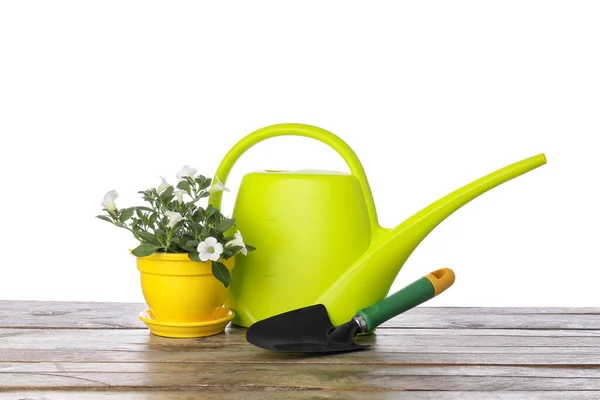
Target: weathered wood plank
253 394
404 370
85 315
232 345
466 337
81 315
237 356
375 379
488 332
434 340
414 319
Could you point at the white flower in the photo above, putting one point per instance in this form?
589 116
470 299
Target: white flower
217 187
179 194
174 218
163 185
238 241
186 170
109 200
210 249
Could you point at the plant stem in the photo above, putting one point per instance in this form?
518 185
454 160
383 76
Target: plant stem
168 238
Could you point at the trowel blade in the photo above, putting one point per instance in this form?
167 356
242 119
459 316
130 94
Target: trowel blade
306 330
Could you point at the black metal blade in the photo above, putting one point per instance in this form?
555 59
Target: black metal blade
307 330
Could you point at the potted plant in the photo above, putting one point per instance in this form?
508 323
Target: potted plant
185 254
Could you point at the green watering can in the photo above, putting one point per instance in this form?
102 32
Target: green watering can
317 235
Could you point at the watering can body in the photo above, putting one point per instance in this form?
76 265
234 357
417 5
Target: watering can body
308 228
317 235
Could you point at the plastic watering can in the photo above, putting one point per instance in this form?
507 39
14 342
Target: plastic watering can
317 234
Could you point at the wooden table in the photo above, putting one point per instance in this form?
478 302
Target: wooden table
64 350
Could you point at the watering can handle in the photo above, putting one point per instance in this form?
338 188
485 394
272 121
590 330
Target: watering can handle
309 131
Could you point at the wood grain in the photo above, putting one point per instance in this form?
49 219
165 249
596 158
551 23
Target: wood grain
323 379
424 340
250 394
298 376
101 350
37 345
80 315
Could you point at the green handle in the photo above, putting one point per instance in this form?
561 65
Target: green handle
313 132
410 296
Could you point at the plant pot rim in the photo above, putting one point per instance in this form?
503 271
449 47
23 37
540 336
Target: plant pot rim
164 256
177 264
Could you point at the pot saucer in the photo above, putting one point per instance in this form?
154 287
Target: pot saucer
187 329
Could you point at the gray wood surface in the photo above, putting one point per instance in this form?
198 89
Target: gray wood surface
69 350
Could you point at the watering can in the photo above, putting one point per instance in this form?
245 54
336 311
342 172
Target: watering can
317 236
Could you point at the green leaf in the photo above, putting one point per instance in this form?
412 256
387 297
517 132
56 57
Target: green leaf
126 214
152 219
144 250
234 249
191 244
250 248
160 236
210 211
204 194
221 272
194 256
165 202
142 208
204 232
199 214
211 232
203 182
183 185
177 227
187 235
196 228
148 237
225 225
104 218
227 254
168 192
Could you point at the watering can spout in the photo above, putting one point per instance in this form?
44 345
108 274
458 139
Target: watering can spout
418 226
390 248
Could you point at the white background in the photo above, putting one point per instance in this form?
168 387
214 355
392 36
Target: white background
430 94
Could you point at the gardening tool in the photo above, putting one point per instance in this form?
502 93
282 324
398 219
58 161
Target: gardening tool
309 329
317 234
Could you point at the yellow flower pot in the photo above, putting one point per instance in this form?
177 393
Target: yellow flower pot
183 296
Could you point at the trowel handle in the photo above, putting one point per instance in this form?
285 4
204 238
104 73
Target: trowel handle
309 131
409 297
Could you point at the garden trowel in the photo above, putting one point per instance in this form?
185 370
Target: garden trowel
309 329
